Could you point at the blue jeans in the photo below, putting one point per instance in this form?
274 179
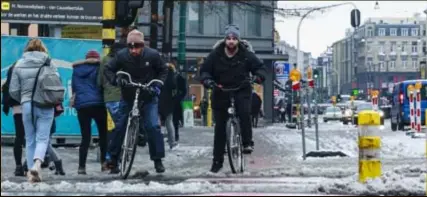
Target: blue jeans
150 121
113 108
37 133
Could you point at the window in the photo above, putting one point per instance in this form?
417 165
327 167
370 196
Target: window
392 64
414 31
414 64
404 64
369 65
222 16
195 17
393 47
369 32
403 46
381 32
405 32
254 20
368 47
414 47
381 48
393 32
381 65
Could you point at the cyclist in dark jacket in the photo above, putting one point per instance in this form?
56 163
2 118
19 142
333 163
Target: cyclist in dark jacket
143 64
231 62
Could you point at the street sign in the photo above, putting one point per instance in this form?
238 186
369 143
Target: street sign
282 70
52 12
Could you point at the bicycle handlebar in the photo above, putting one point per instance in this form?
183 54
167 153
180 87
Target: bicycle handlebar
139 85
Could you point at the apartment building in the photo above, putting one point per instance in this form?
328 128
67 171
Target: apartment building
381 52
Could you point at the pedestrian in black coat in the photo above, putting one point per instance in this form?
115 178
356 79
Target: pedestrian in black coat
178 114
167 105
256 108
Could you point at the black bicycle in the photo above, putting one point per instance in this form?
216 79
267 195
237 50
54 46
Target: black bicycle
233 133
130 141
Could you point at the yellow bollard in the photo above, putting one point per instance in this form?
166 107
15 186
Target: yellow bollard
369 145
209 118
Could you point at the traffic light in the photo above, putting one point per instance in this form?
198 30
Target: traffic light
126 11
316 73
339 98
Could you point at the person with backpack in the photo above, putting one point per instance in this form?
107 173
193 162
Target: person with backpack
89 103
9 103
36 84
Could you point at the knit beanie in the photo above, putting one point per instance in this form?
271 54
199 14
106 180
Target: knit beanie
233 30
92 54
135 36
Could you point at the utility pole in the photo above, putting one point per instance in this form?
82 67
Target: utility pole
108 25
154 24
168 6
181 39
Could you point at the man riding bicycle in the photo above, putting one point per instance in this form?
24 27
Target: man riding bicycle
143 64
229 65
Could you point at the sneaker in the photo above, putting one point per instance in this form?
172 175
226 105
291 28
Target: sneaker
81 171
216 166
248 149
158 165
19 171
34 175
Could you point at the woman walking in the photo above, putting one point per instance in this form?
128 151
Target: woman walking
166 105
89 102
37 120
9 103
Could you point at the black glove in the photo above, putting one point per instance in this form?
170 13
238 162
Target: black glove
258 79
154 91
209 83
121 82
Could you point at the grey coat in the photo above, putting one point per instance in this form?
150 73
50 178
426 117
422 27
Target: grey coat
24 75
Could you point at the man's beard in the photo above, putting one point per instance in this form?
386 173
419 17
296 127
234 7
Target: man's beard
231 49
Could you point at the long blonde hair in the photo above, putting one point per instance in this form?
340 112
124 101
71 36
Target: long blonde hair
35 44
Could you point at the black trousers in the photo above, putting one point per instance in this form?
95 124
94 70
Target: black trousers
221 117
19 138
85 116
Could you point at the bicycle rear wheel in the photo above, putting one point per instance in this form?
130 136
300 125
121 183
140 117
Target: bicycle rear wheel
129 147
234 146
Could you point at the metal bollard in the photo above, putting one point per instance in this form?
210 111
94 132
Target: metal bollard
369 122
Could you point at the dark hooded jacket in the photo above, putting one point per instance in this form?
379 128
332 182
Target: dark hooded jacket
148 66
84 84
231 72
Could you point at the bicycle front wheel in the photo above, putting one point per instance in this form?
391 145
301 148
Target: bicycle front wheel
129 147
234 146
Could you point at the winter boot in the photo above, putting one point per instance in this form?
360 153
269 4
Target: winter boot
158 165
248 149
19 171
58 168
216 166
81 170
34 175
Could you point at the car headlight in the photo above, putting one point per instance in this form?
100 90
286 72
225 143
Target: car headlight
381 113
282 109
348 112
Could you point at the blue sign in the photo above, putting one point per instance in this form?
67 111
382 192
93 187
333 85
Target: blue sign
282 70
63 52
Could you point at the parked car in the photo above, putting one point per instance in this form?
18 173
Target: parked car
332 113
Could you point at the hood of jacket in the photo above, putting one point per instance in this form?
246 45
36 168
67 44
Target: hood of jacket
32 59
242 44
84 68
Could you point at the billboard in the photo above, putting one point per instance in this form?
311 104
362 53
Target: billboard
52 12
63 52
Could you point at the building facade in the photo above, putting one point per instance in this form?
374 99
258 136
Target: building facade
381 52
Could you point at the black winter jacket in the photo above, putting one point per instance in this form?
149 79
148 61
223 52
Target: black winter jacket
231 72
142 69
166 97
